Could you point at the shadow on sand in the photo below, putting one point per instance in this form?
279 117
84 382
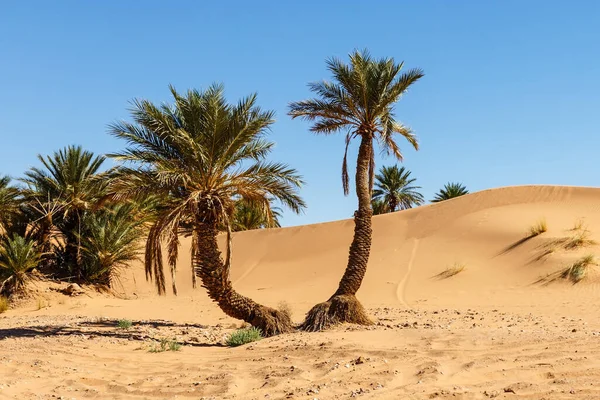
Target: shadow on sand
104 328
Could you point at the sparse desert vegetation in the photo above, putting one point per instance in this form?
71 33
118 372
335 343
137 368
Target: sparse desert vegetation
4 304
580 238
244 336
579 269
451 271
124 324
163 345
538 228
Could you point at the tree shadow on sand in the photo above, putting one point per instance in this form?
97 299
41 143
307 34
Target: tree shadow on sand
103 328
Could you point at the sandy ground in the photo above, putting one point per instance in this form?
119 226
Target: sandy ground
506 326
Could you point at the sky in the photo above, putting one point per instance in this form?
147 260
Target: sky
511 93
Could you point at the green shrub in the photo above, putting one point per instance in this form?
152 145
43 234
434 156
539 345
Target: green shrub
124 324
165 345
244 336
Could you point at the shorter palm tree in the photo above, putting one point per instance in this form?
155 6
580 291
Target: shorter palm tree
9 203
70 179
111 240
18 256
379 206
394 186
249 216
449 191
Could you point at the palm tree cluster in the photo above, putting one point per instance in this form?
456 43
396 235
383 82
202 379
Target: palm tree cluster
198 167
58 220
395 190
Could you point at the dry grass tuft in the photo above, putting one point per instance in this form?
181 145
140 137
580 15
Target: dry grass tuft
3 304
575 272
449 272
578 225
41 303
285 308
538 228
581 238
578 270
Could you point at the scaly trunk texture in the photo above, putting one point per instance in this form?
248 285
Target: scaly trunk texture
393 203
210 268
343 306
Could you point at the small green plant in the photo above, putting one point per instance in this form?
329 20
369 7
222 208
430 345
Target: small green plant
244 336
578 270
3 304
538 228
451 271
165 345
124 324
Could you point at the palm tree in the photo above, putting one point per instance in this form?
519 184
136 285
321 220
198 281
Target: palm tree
110 241
9 204
18 256
249 216
360 101
200 156
449 191
379 207
70 180
393 185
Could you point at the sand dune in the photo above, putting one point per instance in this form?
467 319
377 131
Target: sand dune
491 330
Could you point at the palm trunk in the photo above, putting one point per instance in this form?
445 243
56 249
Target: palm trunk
210 268
393 204
343 306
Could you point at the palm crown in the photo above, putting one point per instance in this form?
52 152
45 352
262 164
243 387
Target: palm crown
449 191
395 187
199 157
361 101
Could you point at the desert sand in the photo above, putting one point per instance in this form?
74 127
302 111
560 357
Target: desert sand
500 328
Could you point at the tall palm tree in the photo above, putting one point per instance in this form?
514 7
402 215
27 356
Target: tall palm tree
449 191
395 187
69 179
200 156
359 101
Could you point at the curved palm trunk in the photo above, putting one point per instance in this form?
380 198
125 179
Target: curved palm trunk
343 306
211 269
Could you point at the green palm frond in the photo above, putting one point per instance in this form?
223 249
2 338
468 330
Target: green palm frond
110 241
360 101
18 256
449 191
198 157
10 200
395 187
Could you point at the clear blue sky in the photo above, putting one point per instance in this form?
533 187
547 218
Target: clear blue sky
511 93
